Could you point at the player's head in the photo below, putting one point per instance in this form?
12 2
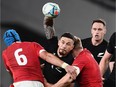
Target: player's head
65 44
98 29
11 36
78 46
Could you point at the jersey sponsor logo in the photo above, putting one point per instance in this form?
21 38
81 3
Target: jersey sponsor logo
100 55
59 69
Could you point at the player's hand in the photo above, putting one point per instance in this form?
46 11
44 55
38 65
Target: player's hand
47 84
103 79
48 21
42 65
72 71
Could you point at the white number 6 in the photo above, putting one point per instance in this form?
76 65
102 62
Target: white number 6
21 59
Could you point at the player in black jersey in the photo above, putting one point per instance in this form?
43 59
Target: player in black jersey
110 51
61 48
97 44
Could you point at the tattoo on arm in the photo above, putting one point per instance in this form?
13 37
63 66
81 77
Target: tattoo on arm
49 31
48 27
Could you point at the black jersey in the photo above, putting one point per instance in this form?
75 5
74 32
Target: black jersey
53 73
112 49
97 51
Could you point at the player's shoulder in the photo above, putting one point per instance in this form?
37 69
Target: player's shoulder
7 48
113 36
53 38
104 41
53 41
32 44
3 51
86 39
29 42
87 53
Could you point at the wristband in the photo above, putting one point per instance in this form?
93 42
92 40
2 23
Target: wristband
64 65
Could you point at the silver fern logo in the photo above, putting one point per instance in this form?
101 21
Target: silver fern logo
100 55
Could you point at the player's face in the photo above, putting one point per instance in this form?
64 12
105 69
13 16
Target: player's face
98 31
65 46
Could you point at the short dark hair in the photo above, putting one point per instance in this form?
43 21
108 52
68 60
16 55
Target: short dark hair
99 21
68 35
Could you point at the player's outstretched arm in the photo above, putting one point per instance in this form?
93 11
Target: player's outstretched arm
49 27
56 61
66 81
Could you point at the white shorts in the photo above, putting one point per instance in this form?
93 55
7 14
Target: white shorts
28 84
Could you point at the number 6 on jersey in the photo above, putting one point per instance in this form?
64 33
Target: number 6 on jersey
21 59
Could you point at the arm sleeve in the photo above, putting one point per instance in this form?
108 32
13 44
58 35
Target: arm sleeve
38 48
111 44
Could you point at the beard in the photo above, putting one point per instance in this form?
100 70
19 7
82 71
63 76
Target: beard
62 52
